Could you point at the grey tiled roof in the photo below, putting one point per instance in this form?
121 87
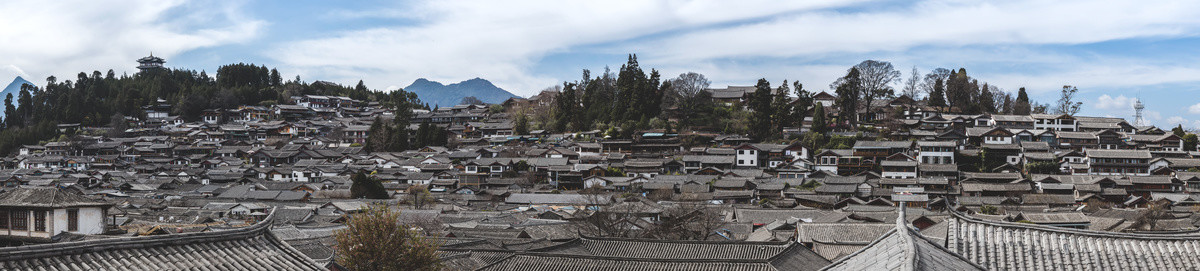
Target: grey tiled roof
248 248
1017 246
544 261
903 248
46 197
589 253
1142 154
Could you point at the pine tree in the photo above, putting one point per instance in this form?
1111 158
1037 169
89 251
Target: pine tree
937 98
565 108
848 95
1189 142
986 102
781 107
11 117
818 119
1022 106
360 86
804 100
276 80
521 124
760 102
362 186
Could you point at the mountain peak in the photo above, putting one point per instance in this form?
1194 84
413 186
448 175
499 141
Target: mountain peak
438 94
13 88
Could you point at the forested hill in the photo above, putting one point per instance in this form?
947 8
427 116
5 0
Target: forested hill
96 99
437 94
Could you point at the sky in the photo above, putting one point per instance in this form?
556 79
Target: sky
1114 52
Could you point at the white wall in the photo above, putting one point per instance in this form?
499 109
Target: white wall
899 175
91 221
747 157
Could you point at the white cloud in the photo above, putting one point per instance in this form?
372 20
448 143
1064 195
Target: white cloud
1177 120
925 23
1121 102
62 38
502 40
12 71
1194 109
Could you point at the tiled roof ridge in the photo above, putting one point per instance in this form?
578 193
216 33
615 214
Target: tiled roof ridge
706 242
911 260
1173 235
66 248
861 250
912 235
635 259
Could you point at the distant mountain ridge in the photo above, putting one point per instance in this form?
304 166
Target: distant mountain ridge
436 93
15 89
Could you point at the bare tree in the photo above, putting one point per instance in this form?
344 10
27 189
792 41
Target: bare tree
470 100
912 86
629 219
689 221
1154 211
686 95
875 80
1003 101
689 84
931 79
1066 102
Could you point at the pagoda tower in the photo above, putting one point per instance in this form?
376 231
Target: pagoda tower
151 62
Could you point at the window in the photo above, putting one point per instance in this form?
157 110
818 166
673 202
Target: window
20 220
39 221
73 219
3 219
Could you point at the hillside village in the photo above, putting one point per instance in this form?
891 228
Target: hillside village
502 200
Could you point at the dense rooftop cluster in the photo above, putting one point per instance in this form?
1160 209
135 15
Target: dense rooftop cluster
657 200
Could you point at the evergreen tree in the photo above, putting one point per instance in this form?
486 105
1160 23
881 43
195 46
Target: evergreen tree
818 119
362 186
1189 142
1179 131
958 90
377 136
566 106
937 98
760 103
24 105
1022 106
276 80
11 117
360 86
781 107
804 100
521 124
848 94
986 102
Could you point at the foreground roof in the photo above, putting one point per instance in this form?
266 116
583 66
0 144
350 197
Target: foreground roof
591 253
46 197
248 248
903 248
1019 246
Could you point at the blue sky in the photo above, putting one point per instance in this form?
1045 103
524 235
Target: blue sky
1113 51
